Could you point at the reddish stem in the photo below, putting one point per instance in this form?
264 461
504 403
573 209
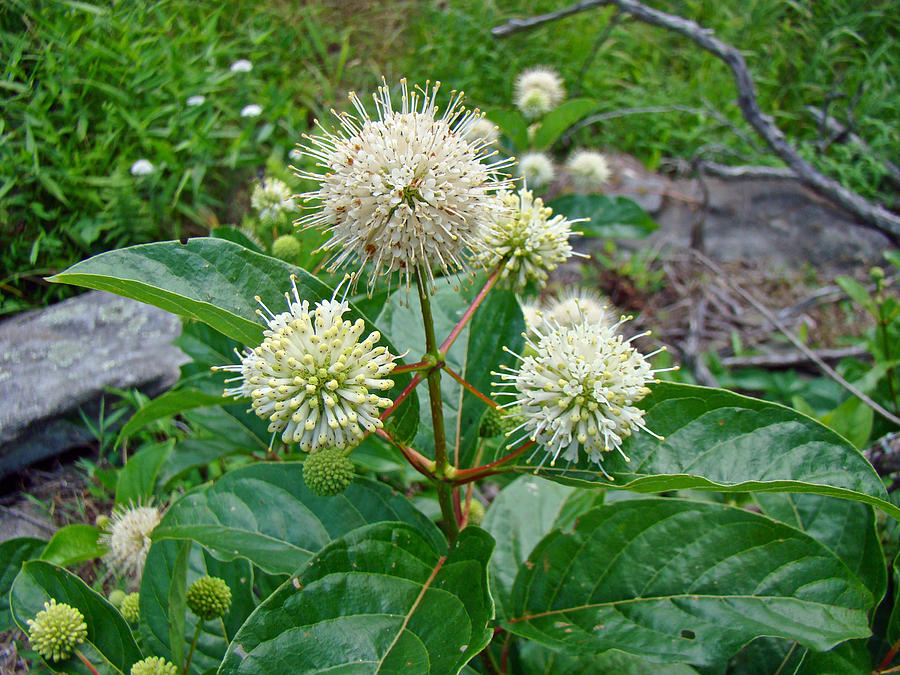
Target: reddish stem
84 660
419 462
482 294
418 377
468 475
469 387
886 661
457 510
421 365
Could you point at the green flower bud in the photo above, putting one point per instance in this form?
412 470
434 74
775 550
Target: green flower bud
116 598
130 608
877 274
102 521
57 630
476 512
491 423
328 471
154 665
286 248
209 597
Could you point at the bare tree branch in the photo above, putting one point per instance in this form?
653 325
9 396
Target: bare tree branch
736 172
793 358
872 215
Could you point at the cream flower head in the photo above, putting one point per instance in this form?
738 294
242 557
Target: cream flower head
577 305
589 170
537 169
580 389
128 538
312 377
538 91
406 190
484 130
529 238
271 197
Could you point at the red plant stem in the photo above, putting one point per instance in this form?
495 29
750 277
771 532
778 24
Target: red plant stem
84 660
421 365
457 510
419 462
418 377
456 376
482 294
886 661
467 475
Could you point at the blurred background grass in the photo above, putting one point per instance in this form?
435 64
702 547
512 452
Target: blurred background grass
89 88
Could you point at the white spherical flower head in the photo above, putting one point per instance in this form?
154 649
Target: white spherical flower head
142 167
251 110
241 66
196 100
589 170
537 169
406 191
312 377
538 91
127 538
580 389
580 304
528 239
270 197
485 130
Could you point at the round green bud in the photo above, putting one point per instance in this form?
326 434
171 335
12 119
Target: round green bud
209 597
102 521
491 423
876 274
476 512
328 472
130 609
116 598
56 630
154 665
287 248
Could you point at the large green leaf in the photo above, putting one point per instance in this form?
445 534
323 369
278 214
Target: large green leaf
167 627
555 122
682 581
381 599
137 479
608 217
513 125
169 404
73 544
13 552
717 440
536 659
193 453
265 513
109 645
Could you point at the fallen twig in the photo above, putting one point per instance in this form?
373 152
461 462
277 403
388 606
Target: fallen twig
794 358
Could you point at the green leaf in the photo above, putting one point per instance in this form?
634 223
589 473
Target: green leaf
169 404
849 658
536 659
265 513
233 424
859 294
893 629
513 125
109 646
73 544
853 420
608 217
382 599
681 581
555 122
13 552
167 626
717 440
137 479
193 453
235 235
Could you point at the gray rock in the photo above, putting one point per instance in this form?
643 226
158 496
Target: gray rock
57 360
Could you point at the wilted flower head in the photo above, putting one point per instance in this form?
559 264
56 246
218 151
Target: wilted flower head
271 197
241 66
580 388
251 110
529 238
56 630
536 168
195 100
485 130
312 377
407 190
589 170
538 91
128 538
141 167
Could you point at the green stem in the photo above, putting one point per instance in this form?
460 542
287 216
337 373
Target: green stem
224 630
187 663
882 326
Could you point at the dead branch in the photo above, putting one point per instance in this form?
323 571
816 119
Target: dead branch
793 359
872 215
739 172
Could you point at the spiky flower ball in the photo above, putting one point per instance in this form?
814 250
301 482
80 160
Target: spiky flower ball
312 377
577 305
589 170
130 609
538 91
580 389
287 247
529 240
328 471
270 198
407 189
537 169
485 130
56 630
154 665
116 598
127 539
208 597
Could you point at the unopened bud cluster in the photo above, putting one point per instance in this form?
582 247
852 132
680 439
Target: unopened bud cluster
57 630
208 597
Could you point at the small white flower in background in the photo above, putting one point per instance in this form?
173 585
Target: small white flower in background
312 377
538 91
127 538
196 100
589 170
251 110
529 238
577 305
407 189
485 130
270 197
580 388
537 169
241 66
142 167
295 155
